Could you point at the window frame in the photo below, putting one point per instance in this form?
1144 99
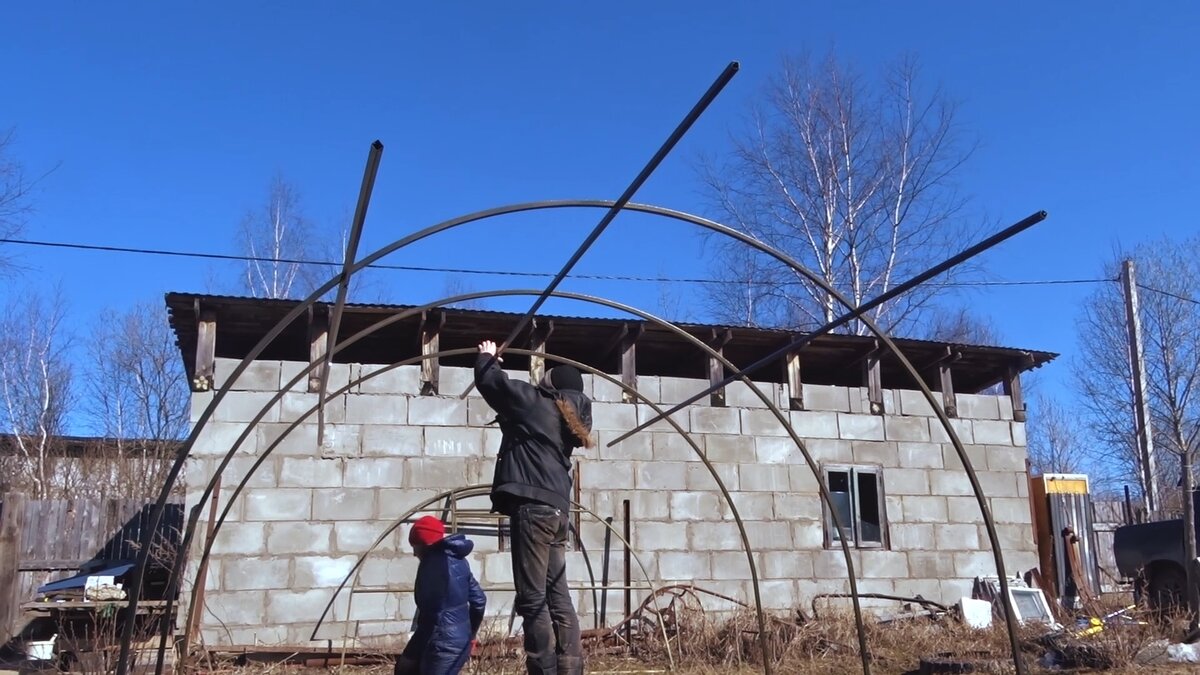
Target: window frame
856 541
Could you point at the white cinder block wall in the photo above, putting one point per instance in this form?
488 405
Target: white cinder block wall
310 510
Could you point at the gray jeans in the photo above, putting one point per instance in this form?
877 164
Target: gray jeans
550 624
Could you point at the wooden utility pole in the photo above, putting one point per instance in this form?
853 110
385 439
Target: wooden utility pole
1141 407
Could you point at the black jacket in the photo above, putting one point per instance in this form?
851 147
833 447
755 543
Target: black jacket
534 463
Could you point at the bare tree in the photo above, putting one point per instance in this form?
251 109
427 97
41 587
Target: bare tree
14 193
960 325
137 394
35 386
853 179
278 236
1056 442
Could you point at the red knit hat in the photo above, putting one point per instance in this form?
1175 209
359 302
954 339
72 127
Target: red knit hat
427 531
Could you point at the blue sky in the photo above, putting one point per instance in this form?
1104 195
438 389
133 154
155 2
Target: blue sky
166 122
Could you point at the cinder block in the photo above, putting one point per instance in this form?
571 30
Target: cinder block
245 406
370 472
303 406
860 427
974 564
992 432
659 536
454 380
278 504
831 564
777 450
750 506
392 441
264 475
661 476
826 450
341 505
707 536
1018 434
976 453
1006 458
906 481
910 536
924 509
739 395
286 607
964 509
956 537
323 571
637 447
606 475
239 539
769 535
399 572
947 483
808 535
674 447
648 387
720 448
802 479
700 478
913 402
877 452
391 503
826 398
605 390
453 442
258 375
613 416
399 380
285 538
301 440
883 564
643 504
645 413
1010 510
242 574
497 569
964 429
761 423
978 406
730 565
376 409
683 566
706 420
437 411
235 608
197 403
479 413
357 537
921 455
998 483
764 477
786 565
929 589
792 506
1006 409
435 472
897 428
341 440
672 390
930 565
294 370
310 472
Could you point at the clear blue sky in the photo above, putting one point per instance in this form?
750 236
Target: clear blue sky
167 121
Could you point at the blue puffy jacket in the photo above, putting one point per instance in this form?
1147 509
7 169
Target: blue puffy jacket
450 607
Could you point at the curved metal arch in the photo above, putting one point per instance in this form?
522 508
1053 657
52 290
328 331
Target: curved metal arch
784 421
478 491
176 468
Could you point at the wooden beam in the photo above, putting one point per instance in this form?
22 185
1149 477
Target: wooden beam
873 379
1012 388
12 517
318 339
628 365
430 331
614 342
795 386
539 334
206 349
718 338
946 384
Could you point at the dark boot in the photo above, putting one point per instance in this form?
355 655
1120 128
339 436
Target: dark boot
570 665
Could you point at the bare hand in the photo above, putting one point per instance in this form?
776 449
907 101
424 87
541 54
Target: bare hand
488 347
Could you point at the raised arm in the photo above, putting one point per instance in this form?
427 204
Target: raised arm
505 396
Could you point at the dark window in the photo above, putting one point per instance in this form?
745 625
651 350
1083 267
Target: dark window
857 496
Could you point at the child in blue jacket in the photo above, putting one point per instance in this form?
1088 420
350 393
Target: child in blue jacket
450 602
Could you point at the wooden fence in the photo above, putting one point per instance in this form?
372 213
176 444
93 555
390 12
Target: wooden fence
46 540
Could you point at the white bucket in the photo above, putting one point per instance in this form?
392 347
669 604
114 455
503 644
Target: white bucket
40 650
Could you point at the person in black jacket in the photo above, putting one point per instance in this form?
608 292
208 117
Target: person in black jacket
541 426
450 603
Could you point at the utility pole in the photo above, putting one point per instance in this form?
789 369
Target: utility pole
1141 406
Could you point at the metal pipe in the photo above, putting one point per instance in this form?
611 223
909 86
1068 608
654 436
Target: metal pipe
665 149
628 538
604 572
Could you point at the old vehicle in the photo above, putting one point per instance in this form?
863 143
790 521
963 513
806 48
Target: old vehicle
1152 554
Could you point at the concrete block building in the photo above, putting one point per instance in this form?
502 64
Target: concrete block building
390 439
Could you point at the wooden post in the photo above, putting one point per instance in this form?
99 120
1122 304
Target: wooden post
206 349
1012 387
12 517
945 381
539 335
873 376
1141 406
716 369
431 327
318 342
629 362
795 386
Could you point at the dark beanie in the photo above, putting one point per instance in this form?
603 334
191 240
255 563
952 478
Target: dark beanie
566 377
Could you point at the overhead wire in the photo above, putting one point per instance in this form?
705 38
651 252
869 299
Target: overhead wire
230 257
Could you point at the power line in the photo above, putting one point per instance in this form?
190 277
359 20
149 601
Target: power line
1169 294
463 270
